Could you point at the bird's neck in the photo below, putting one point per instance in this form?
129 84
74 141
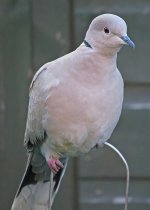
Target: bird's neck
106 63
92 62
98 59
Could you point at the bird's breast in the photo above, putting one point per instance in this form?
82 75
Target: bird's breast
80 115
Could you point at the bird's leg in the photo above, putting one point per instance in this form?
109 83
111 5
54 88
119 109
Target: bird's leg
54 164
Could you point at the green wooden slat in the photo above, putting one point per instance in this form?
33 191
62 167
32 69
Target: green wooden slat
110 195
15 63
2 108
50 30
103 4
137 97
114 207
134 64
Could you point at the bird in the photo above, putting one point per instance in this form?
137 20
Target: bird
75 103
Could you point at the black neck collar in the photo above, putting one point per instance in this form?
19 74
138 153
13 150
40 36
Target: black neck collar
87 44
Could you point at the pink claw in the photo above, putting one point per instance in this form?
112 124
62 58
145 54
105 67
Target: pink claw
55 165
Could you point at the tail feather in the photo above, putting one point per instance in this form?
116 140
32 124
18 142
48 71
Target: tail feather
33 192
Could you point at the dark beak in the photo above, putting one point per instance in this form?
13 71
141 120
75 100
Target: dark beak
128 41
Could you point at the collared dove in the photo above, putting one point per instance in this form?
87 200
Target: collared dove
75 104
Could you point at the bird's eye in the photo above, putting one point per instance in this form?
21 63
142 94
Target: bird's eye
106 30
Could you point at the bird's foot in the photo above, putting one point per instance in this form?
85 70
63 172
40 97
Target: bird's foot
55 165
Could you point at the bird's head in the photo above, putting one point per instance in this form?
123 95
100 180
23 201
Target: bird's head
108 33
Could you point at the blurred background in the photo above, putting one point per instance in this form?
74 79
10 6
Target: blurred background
33 32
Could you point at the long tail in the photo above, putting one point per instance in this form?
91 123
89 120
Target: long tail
36 190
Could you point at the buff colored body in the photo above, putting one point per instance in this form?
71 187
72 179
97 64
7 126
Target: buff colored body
80 106
75 104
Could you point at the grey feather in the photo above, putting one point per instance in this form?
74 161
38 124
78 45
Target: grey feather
33 192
